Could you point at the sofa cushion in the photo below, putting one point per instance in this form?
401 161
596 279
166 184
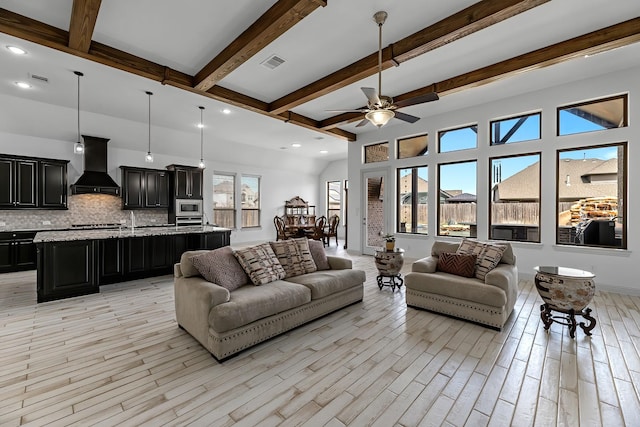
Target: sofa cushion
221 267
186 266
308 263
260 263
289 257
316 247
441 247
462 288
326 282
459 264
251 303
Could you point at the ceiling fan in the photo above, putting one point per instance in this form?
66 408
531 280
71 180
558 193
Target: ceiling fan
380 109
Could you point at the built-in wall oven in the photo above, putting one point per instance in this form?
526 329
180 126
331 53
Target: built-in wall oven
188 212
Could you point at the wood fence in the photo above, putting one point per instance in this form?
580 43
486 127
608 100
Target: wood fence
465 213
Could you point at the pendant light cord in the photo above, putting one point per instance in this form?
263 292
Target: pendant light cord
79 74
149 130
201 134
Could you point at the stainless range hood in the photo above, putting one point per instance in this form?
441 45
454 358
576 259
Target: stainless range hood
95 178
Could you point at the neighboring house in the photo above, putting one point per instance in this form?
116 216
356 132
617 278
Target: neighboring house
223 194
249 197
580 178
462 198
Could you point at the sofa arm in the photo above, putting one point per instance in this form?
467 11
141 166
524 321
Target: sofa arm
505 277
339 263
194 298
425 265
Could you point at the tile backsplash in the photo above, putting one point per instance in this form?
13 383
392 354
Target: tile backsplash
83 209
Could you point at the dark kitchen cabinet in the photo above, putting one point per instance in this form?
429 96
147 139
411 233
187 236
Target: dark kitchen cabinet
53 184
110 261
144 188
136 256
17 251
186 182
18 183
66 269
148 256
30 182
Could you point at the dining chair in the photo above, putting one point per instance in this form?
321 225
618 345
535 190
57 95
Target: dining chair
332 231
318 229
281 229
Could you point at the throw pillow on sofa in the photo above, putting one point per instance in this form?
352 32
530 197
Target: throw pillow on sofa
488 255
260 264
289 257
458 264
318 254
221 267
308 263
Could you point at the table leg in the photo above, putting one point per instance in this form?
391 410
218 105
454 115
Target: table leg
571 317
592 322
545 315
379 280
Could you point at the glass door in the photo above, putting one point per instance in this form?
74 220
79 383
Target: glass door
374 218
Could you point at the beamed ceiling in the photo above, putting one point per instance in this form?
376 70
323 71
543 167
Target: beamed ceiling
214 50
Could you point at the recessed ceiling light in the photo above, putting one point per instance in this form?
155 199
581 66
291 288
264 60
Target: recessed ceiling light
296 145
323 152
226 111
200 125
23 85
17 50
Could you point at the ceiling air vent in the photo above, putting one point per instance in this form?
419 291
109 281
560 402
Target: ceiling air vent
40 78
272 62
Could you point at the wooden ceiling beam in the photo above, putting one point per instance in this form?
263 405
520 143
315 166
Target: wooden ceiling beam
40 33
280 18
468 21
615 36
84 14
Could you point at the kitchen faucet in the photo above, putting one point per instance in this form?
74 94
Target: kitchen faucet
133 221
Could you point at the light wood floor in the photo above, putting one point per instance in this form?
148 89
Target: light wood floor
118 358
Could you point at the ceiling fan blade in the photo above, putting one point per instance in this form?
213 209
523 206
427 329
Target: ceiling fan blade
406 117
362 123
372 95
432 96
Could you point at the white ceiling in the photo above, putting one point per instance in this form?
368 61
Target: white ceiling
186 35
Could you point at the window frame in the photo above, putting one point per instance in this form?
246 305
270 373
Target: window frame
414 200
518 116
439 190
339 189
377 144
490 223
243 209
234 209
625 195
453 129
404 138
625 112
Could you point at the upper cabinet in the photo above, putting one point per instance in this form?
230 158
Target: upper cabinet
186 183
144 188
27 183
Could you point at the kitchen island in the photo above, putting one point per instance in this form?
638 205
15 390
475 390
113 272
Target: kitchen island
77 262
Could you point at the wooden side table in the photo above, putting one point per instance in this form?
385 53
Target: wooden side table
567 291
389 264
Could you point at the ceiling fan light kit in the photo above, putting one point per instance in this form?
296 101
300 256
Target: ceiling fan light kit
379 117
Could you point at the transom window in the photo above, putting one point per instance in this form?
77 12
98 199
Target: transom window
376 152
526 127
413 146
463 138
601 114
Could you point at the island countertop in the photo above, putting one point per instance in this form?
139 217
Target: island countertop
101 234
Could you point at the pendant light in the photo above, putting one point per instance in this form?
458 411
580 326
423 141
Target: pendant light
201 164
149 157
78 147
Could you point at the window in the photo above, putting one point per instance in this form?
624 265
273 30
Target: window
607 113
224 205
457 199
250 194
515 198
592 183
412 193
376 152
334 198
516 129
462 138
413 146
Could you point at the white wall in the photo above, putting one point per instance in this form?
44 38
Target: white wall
615 269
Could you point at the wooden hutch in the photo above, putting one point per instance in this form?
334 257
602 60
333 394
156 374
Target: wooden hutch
299 212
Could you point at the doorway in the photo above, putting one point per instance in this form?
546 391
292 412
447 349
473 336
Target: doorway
374 219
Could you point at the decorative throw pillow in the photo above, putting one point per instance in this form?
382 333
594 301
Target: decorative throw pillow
289 257
319 255
221 267
308 263
488 259
260 263
458 264
470 247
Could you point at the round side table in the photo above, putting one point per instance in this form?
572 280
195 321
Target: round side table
389 264
567 291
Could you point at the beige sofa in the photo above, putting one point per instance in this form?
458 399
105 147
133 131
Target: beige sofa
227 322
488 303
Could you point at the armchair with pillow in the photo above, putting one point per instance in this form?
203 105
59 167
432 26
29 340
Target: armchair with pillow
470 280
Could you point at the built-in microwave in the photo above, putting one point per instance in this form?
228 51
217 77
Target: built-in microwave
188 208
